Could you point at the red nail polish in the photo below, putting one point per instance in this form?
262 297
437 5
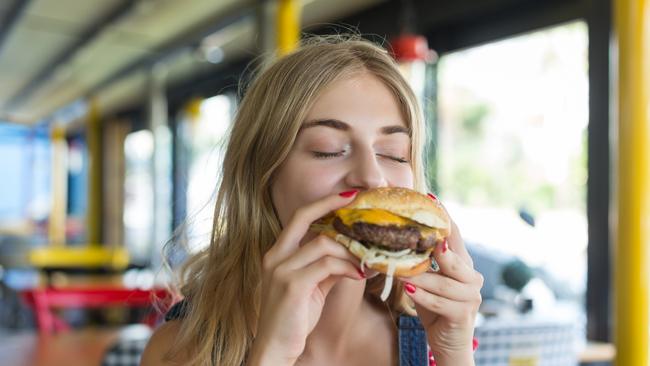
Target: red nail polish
348 194
409 288
432 196
445 246
474 344
360 272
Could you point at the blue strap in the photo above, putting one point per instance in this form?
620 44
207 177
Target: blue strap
413 349
177 311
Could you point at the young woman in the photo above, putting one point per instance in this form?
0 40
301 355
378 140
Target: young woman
315 127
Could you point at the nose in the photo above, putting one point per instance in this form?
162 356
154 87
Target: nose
365 172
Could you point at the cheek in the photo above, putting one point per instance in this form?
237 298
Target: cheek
320 180
299 183
401 176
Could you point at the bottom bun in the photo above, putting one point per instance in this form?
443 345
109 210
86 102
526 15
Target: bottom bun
406 265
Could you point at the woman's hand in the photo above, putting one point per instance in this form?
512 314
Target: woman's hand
296 281
447 301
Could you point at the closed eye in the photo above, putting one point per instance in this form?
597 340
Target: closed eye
325 155
394 158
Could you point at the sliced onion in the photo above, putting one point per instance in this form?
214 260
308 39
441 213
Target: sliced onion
394 254
370 254
388 283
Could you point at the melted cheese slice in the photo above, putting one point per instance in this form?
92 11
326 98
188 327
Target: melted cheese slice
379 217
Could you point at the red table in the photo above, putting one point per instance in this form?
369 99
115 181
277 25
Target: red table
44 300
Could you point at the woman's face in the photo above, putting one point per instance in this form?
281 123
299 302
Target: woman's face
354 137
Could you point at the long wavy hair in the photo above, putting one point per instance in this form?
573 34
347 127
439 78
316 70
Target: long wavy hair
222 283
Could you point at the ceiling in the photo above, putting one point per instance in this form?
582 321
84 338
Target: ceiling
56 52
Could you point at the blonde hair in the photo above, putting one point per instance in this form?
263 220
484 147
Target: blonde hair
222 283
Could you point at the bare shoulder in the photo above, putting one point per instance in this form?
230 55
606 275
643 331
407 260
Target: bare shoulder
160 343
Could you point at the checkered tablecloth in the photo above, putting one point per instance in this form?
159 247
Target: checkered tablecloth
527 342
125 353
128 348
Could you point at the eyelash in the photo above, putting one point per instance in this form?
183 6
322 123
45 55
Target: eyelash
327 155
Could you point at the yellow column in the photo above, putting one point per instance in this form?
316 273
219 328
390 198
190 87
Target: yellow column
288 26
632 30
193 109
58 213
94 138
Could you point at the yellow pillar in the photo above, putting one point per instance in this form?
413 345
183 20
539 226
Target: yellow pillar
288 26
58 213
632 31
193 108
93 255
94 138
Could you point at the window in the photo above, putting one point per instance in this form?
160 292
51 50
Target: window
512 148
139 195
205 136
25 193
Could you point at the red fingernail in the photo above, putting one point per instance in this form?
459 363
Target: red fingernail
348 194
474 344
445 246
360 272
433 196
409 288
432 361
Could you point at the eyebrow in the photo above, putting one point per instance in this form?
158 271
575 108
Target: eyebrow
340 125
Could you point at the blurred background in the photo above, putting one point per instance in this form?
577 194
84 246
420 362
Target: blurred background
113 120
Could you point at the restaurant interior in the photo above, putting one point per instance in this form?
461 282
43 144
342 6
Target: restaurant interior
114 115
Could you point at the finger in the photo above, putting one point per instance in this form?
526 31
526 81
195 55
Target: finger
289 239
444 286
455 240
321 272
453 265
317 248
457 244
450 309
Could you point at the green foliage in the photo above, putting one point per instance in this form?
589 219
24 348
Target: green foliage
472 119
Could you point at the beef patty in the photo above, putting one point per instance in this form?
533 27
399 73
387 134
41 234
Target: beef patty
391 237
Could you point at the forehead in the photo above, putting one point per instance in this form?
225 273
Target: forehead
362 100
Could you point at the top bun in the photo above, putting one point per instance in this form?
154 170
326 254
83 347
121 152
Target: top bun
406 203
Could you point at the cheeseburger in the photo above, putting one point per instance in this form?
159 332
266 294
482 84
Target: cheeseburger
391 230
